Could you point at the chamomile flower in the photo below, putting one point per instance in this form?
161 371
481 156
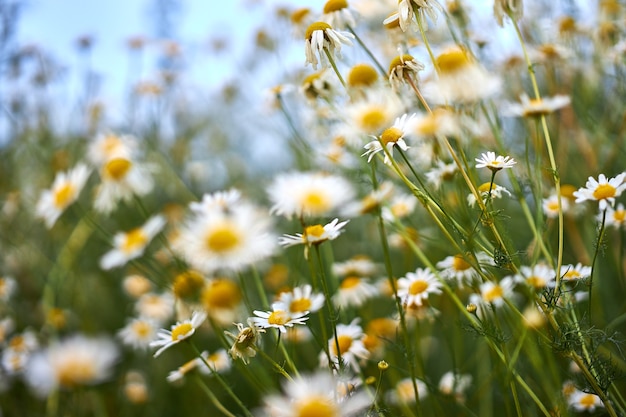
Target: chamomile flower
139 333
245 341
550 206
404 391
314 234
316 394
602 190
494 293
220 200
403 66
493 162
301 299
616 217
122 178
354 291
400 206
321 39
221 298
359 265
280 317
392 136
8 287
232 239
455 384
487 190
309 194
348 345
458 268
460 79
64 191
538 276
415 287
158 307
584 401
507 8
218 362
575 272
107 146
71 363
440 173
130 245
405 13
536 107
178 332
337 14
378 333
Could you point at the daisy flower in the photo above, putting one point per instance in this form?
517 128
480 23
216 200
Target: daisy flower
317 85
575 272
538 276
220 200
8 287
507 8
321 38
400 206
550 206
122 178
348 345
460 79
64 191
457 268
494 293
452 383
362 76
392 136
218 362
107 146
135 285
135 387
70 363
317 394
404 15
178 332
337 14
130 245
415 287
441 172
493 162
280 317
404 391
221 298
302 299
232 239
378 332
245 341
584 401
138 333
159 307
354 291
487 190
602 190
615 217
536 107
359 265
401 67
309 194
315 234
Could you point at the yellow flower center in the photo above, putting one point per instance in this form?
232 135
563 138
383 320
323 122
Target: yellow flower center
187 283
64 195
181 331
391 135
399 62
76 371
373 120
133 240
315 202
567 190
223 239
314 27
460 264
117 168
350 282
362 75
571 274
278 317
484 188
300 305
400 209
315 231
587 400
452 61
142 329
188 367
309 79
604 191
111 144
299 15
619 216
392 24
493 293
335 5
536 281
418 287
553 206
221 293
316 406
429 125
344 342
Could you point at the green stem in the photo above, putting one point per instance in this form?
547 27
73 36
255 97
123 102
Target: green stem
595 256
334 66
216 402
